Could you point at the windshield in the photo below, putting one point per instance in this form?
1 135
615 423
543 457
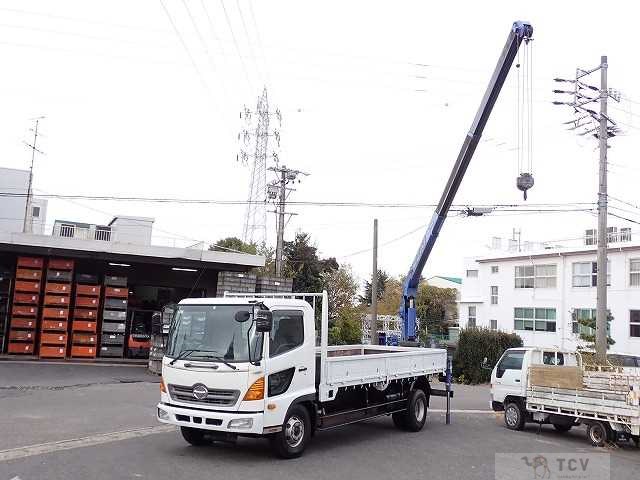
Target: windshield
211 330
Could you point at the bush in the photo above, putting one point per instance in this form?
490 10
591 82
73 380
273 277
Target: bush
476 344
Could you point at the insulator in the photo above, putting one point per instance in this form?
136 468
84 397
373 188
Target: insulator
524 183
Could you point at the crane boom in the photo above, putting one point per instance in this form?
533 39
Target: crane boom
519 31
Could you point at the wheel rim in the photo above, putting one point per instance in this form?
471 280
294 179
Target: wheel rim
511 416
294 431
597 434
419 410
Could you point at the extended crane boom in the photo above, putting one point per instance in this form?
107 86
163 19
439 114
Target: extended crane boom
519 31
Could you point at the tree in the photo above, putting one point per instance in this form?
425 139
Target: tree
233 244
383 278
303 265
269 254
347 329
435 307
341 287
389 302
587 329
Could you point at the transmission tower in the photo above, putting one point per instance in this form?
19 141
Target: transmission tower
255 136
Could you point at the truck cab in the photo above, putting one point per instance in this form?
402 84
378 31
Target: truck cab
240 381
509 376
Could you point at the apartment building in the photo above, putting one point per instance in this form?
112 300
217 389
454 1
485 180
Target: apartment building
541 295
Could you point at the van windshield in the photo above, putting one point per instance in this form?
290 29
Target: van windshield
212 331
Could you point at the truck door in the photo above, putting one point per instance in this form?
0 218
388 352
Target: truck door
509 376
290 363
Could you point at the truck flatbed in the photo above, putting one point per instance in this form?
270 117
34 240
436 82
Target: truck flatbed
350 365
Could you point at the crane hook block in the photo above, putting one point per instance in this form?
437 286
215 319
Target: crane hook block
524 183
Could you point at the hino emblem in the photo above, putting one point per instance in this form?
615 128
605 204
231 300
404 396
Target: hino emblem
200 392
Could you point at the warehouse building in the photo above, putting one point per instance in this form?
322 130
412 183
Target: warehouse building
89 290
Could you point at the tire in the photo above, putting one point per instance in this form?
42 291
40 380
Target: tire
513 416
195 436
399 420
295 434
416 414
562 428
598 434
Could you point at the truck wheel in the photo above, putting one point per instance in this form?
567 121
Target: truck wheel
399 420
416 414
295 434
514 416
598 434
562 428
195 436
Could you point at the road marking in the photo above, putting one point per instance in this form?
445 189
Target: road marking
480 412
98 439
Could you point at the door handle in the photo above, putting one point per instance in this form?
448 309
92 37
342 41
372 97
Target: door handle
517 380
302 369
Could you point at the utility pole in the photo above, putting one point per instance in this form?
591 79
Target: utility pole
27 224
281 203
601 126
374 286
601 278
278 191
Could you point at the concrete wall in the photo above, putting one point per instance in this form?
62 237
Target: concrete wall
564 298
12 208
136 230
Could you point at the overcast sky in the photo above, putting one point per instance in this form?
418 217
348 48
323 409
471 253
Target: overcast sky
376 97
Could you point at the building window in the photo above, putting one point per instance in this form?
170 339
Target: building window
634 272
472 273
494 324
67 230
35 212
471 319
612 234
535 276
585 314
494 295
494 269
591 237
585 274
535 319
625 234
634 323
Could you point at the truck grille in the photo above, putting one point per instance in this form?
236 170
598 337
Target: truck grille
220 398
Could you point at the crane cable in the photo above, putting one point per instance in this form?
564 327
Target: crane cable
524 119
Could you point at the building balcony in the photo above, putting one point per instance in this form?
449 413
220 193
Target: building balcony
83 231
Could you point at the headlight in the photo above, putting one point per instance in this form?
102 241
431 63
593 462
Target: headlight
163 414
241 423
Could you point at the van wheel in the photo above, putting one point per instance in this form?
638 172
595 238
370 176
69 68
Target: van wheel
295 434
598 434
514 416
562 428
195 436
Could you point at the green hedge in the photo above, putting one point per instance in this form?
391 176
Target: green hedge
474 345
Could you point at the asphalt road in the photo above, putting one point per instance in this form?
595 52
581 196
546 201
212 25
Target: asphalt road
103 427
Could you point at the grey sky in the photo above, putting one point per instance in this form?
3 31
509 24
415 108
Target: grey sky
127 114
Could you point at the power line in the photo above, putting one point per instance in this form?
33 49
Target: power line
461 207
212 62
249 43
623 218
235 42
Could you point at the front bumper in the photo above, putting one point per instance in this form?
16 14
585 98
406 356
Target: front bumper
206 420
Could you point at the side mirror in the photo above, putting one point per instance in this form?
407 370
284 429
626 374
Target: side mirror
264 321
242 316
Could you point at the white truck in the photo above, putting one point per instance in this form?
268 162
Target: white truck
248 365
606 401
